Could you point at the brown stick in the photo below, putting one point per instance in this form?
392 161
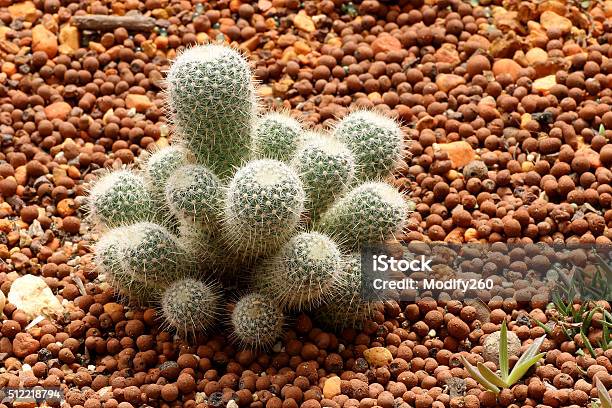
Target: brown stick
96 22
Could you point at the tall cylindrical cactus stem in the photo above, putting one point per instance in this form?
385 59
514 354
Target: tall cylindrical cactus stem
213 104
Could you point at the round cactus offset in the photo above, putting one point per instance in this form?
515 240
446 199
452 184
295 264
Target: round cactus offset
276 136
193 193
349 308
153 254
262 207
303 274
191 306
119 198
326 168
375 140
256 321
213 103
160 165
110 253
371 212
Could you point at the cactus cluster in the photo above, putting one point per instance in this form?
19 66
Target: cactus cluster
248 201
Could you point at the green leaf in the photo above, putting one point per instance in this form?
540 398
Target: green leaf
478 377
543 326
605 337
588 344
602 130
531 351
586 323
491 376
604 396
519 370
503 351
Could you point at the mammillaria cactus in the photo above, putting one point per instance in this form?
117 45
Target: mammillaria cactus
262 207
282 223
326 168
375 140
191 306
256 321
276 136
213 103
303 273
152 253
371 212
110 253
349 307
193 193
120 198
160 165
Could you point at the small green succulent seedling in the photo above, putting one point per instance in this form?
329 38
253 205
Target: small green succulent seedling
326 167
492 381
120 197
604 396
276 136
213 105
376 141
256 321
191 306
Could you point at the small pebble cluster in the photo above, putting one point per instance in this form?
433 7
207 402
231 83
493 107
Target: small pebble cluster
508 112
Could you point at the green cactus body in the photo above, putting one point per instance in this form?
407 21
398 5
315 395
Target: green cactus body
371 212
303 273
213 103
193 193
191 306
256 321
110 253
349 308
120 198
276 136
262 207
153 255
326 168
375 140
161 164
205 251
